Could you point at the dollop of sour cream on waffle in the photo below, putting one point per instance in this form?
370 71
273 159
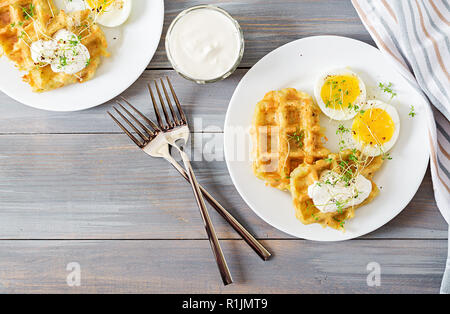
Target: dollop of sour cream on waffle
64 52
332 194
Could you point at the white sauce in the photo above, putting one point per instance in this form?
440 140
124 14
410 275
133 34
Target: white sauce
204 44
65 53
331 194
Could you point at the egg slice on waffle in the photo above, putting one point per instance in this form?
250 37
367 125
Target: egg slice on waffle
340 93
110 13
375 129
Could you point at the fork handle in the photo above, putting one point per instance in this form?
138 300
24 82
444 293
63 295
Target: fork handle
212 236
247 236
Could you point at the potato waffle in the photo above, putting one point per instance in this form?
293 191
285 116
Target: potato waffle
307 174
286 133
24 21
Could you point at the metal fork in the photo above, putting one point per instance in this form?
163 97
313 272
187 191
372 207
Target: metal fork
153 144
156 144
177 133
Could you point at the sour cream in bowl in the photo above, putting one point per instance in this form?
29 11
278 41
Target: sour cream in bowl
205 44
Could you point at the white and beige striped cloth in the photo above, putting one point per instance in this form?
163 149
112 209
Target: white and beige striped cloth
415 36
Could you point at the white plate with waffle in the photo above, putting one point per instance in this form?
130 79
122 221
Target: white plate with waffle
131 46
298 65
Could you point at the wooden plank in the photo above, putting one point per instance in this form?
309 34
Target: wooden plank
158 266
268 25
60 181
206 103
81 186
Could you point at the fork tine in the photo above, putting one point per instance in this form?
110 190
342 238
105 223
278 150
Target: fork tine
163 106
155 108
152 124
135 140
177 102
174 115
136 120
144 137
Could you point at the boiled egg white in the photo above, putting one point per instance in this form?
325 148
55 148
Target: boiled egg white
110 13
375 129
70 5
339 94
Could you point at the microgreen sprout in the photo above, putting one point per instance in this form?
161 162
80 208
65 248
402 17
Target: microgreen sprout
387 88
297 137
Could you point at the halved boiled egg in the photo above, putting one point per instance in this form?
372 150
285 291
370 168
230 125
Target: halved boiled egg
339 94
110 13
376 128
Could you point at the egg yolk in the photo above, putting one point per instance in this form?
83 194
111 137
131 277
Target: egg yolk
374 126
99 5
340 91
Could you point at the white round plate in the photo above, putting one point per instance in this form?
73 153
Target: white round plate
132 46
299 64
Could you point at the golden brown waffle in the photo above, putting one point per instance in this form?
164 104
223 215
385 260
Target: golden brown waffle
307 174
14 19
286 133
25 21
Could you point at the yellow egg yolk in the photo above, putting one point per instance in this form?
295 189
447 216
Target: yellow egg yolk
374 126
340 91
99 5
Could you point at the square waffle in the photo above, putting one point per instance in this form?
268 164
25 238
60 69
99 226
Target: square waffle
307 174
24 21
286 133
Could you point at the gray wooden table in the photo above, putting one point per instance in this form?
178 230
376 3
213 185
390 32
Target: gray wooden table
73 189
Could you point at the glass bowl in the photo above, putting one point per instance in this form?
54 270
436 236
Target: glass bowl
241 43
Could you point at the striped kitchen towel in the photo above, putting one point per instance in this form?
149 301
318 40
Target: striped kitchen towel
415 36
